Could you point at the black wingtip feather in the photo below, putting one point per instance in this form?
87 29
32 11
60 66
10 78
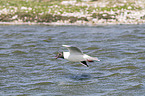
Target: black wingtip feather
84 63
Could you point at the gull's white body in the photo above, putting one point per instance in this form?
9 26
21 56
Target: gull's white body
76 55
78 58
73 57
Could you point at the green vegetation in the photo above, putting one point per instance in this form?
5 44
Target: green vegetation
57 10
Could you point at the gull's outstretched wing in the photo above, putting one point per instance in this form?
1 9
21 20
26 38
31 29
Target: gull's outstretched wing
73 50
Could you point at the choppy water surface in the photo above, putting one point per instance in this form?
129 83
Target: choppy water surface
28 66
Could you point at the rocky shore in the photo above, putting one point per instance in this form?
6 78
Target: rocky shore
72 12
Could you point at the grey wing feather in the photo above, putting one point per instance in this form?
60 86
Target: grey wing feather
73 50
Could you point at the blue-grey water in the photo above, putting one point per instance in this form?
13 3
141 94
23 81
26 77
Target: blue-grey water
28 66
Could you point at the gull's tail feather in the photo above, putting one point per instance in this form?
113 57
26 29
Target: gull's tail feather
87 57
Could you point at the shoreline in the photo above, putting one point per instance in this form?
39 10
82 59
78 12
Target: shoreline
64 24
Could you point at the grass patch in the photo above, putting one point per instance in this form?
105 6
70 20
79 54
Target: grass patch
53 10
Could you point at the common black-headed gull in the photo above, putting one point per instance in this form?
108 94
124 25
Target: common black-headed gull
76 55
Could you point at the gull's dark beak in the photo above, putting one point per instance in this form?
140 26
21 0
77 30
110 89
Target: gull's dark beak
60 55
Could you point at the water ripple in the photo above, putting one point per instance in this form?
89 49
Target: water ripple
28 66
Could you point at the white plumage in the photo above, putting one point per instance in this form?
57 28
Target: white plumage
76 55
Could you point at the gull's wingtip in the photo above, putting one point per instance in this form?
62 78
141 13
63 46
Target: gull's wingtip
66 45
